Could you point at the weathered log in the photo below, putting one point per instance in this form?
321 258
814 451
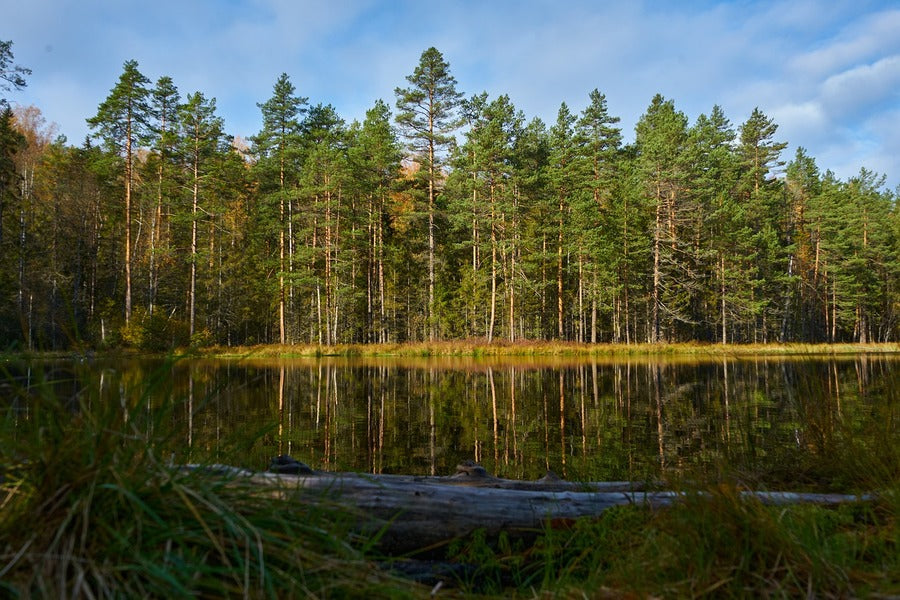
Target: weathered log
414 512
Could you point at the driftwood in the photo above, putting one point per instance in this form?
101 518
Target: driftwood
412 513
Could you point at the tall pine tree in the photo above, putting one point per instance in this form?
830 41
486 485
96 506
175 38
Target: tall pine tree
121 121
427 118
277 148
661 138
201 138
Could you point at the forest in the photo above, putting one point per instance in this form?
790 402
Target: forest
440 216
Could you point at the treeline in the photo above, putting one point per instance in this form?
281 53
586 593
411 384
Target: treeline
454 217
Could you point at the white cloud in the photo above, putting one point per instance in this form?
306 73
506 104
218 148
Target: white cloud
805 119
862 39
862 86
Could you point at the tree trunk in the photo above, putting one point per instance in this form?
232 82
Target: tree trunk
282 337
580 299
128 177
155 223
381 324
723 288
625 284
196 193
657 235
414 512
431 193
559 273
594 306
490 332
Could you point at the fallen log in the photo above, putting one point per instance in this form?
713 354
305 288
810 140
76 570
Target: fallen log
411 513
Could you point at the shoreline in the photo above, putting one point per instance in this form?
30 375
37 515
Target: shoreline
481 349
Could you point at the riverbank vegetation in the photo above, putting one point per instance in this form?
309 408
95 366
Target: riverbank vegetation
437 221
92 504
480 349
476 348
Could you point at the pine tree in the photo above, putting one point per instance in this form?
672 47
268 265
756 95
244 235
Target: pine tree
491 143
598 141
12 76
427 118
661 137
760 161
322 181
201 137
720 253
563 175
374 157
803 187
277 148
536 206
121 121
164 105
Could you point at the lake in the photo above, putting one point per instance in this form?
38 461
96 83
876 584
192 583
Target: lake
767 421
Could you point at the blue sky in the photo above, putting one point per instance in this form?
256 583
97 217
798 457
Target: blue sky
827 71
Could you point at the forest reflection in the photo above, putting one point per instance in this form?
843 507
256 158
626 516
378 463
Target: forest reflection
584 419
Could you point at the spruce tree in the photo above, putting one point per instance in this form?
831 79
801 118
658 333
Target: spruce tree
11 142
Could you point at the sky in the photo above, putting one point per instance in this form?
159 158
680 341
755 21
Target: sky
826 71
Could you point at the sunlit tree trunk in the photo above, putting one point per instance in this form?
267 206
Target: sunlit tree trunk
657 240
194 205
559 273
490 333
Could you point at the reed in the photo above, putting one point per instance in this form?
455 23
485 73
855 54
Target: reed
719 544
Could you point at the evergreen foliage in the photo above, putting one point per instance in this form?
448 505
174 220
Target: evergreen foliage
453 219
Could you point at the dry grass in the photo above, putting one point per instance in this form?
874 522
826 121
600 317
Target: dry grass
479 348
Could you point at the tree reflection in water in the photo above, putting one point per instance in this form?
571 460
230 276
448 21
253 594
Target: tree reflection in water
611 420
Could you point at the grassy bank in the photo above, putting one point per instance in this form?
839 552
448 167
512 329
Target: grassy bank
534 348
480 348
90 506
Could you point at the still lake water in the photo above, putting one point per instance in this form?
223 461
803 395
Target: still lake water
779 421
